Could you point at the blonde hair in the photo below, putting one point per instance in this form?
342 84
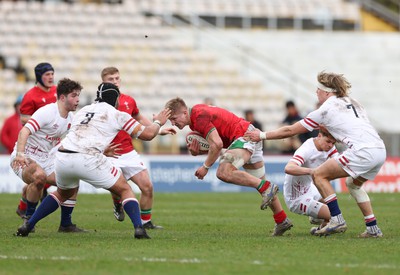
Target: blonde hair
335 81
108 70
175 104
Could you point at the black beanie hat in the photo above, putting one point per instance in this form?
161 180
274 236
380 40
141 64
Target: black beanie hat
108 92
41 69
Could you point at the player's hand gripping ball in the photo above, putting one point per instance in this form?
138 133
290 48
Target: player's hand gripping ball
204 146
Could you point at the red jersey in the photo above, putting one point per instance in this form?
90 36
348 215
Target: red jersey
36 98
128 105
9 133
206 118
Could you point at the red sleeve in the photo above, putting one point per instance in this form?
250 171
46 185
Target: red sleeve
201 121
128 105
9 133
28 105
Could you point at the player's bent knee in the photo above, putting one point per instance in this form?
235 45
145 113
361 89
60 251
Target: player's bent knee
222 175
146 189
357 192
39 179
235 160
258 173
314 209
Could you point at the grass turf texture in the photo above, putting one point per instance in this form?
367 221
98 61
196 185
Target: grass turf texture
205 233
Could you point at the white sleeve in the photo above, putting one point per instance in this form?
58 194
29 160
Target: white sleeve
301 155
129 124
39 119
312 120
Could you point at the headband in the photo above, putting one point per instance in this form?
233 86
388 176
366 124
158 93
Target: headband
324 88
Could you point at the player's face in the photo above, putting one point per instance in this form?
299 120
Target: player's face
326 143
322 96
113 78
179 119
72 100
48 79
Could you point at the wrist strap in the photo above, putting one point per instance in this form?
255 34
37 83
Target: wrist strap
205 166
157 122
263 135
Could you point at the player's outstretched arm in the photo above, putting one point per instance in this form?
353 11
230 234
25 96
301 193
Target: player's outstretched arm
280 133
152 130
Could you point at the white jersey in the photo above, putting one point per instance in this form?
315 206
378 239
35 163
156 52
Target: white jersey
96 125
347 121
306 155
47 128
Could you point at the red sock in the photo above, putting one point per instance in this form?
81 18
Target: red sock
145 215
22 204
263 186
280 217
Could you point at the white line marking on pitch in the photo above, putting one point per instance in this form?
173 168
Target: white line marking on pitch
65 258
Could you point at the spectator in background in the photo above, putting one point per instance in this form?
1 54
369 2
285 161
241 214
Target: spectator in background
11 127
249 116
209 101
291 144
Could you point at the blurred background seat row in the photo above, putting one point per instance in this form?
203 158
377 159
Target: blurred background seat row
170 48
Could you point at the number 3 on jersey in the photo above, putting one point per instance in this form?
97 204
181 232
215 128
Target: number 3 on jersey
351 106
88 118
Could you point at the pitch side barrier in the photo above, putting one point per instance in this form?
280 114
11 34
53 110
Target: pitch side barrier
175 173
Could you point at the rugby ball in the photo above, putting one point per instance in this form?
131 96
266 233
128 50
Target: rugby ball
204 145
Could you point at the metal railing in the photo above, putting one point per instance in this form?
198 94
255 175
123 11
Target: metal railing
386 14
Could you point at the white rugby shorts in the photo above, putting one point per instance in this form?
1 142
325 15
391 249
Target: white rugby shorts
365 162
96 170
43 159
305 204
130 164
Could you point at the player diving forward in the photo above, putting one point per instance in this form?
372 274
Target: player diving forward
223 129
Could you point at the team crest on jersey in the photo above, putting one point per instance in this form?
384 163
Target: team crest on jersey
55 126
126 105
69 126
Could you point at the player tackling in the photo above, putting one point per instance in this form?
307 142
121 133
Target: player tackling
301 195
346 120
80 156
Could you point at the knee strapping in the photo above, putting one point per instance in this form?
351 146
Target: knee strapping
258 173
357 192
232 159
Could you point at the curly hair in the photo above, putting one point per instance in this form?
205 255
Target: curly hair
66 86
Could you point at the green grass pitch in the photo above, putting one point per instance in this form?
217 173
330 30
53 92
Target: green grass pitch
205 233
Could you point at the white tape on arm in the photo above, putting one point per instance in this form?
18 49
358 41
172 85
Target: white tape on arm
263 135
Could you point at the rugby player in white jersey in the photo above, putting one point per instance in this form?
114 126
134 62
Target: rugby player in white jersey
300 194
80 156
346 120
34 153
